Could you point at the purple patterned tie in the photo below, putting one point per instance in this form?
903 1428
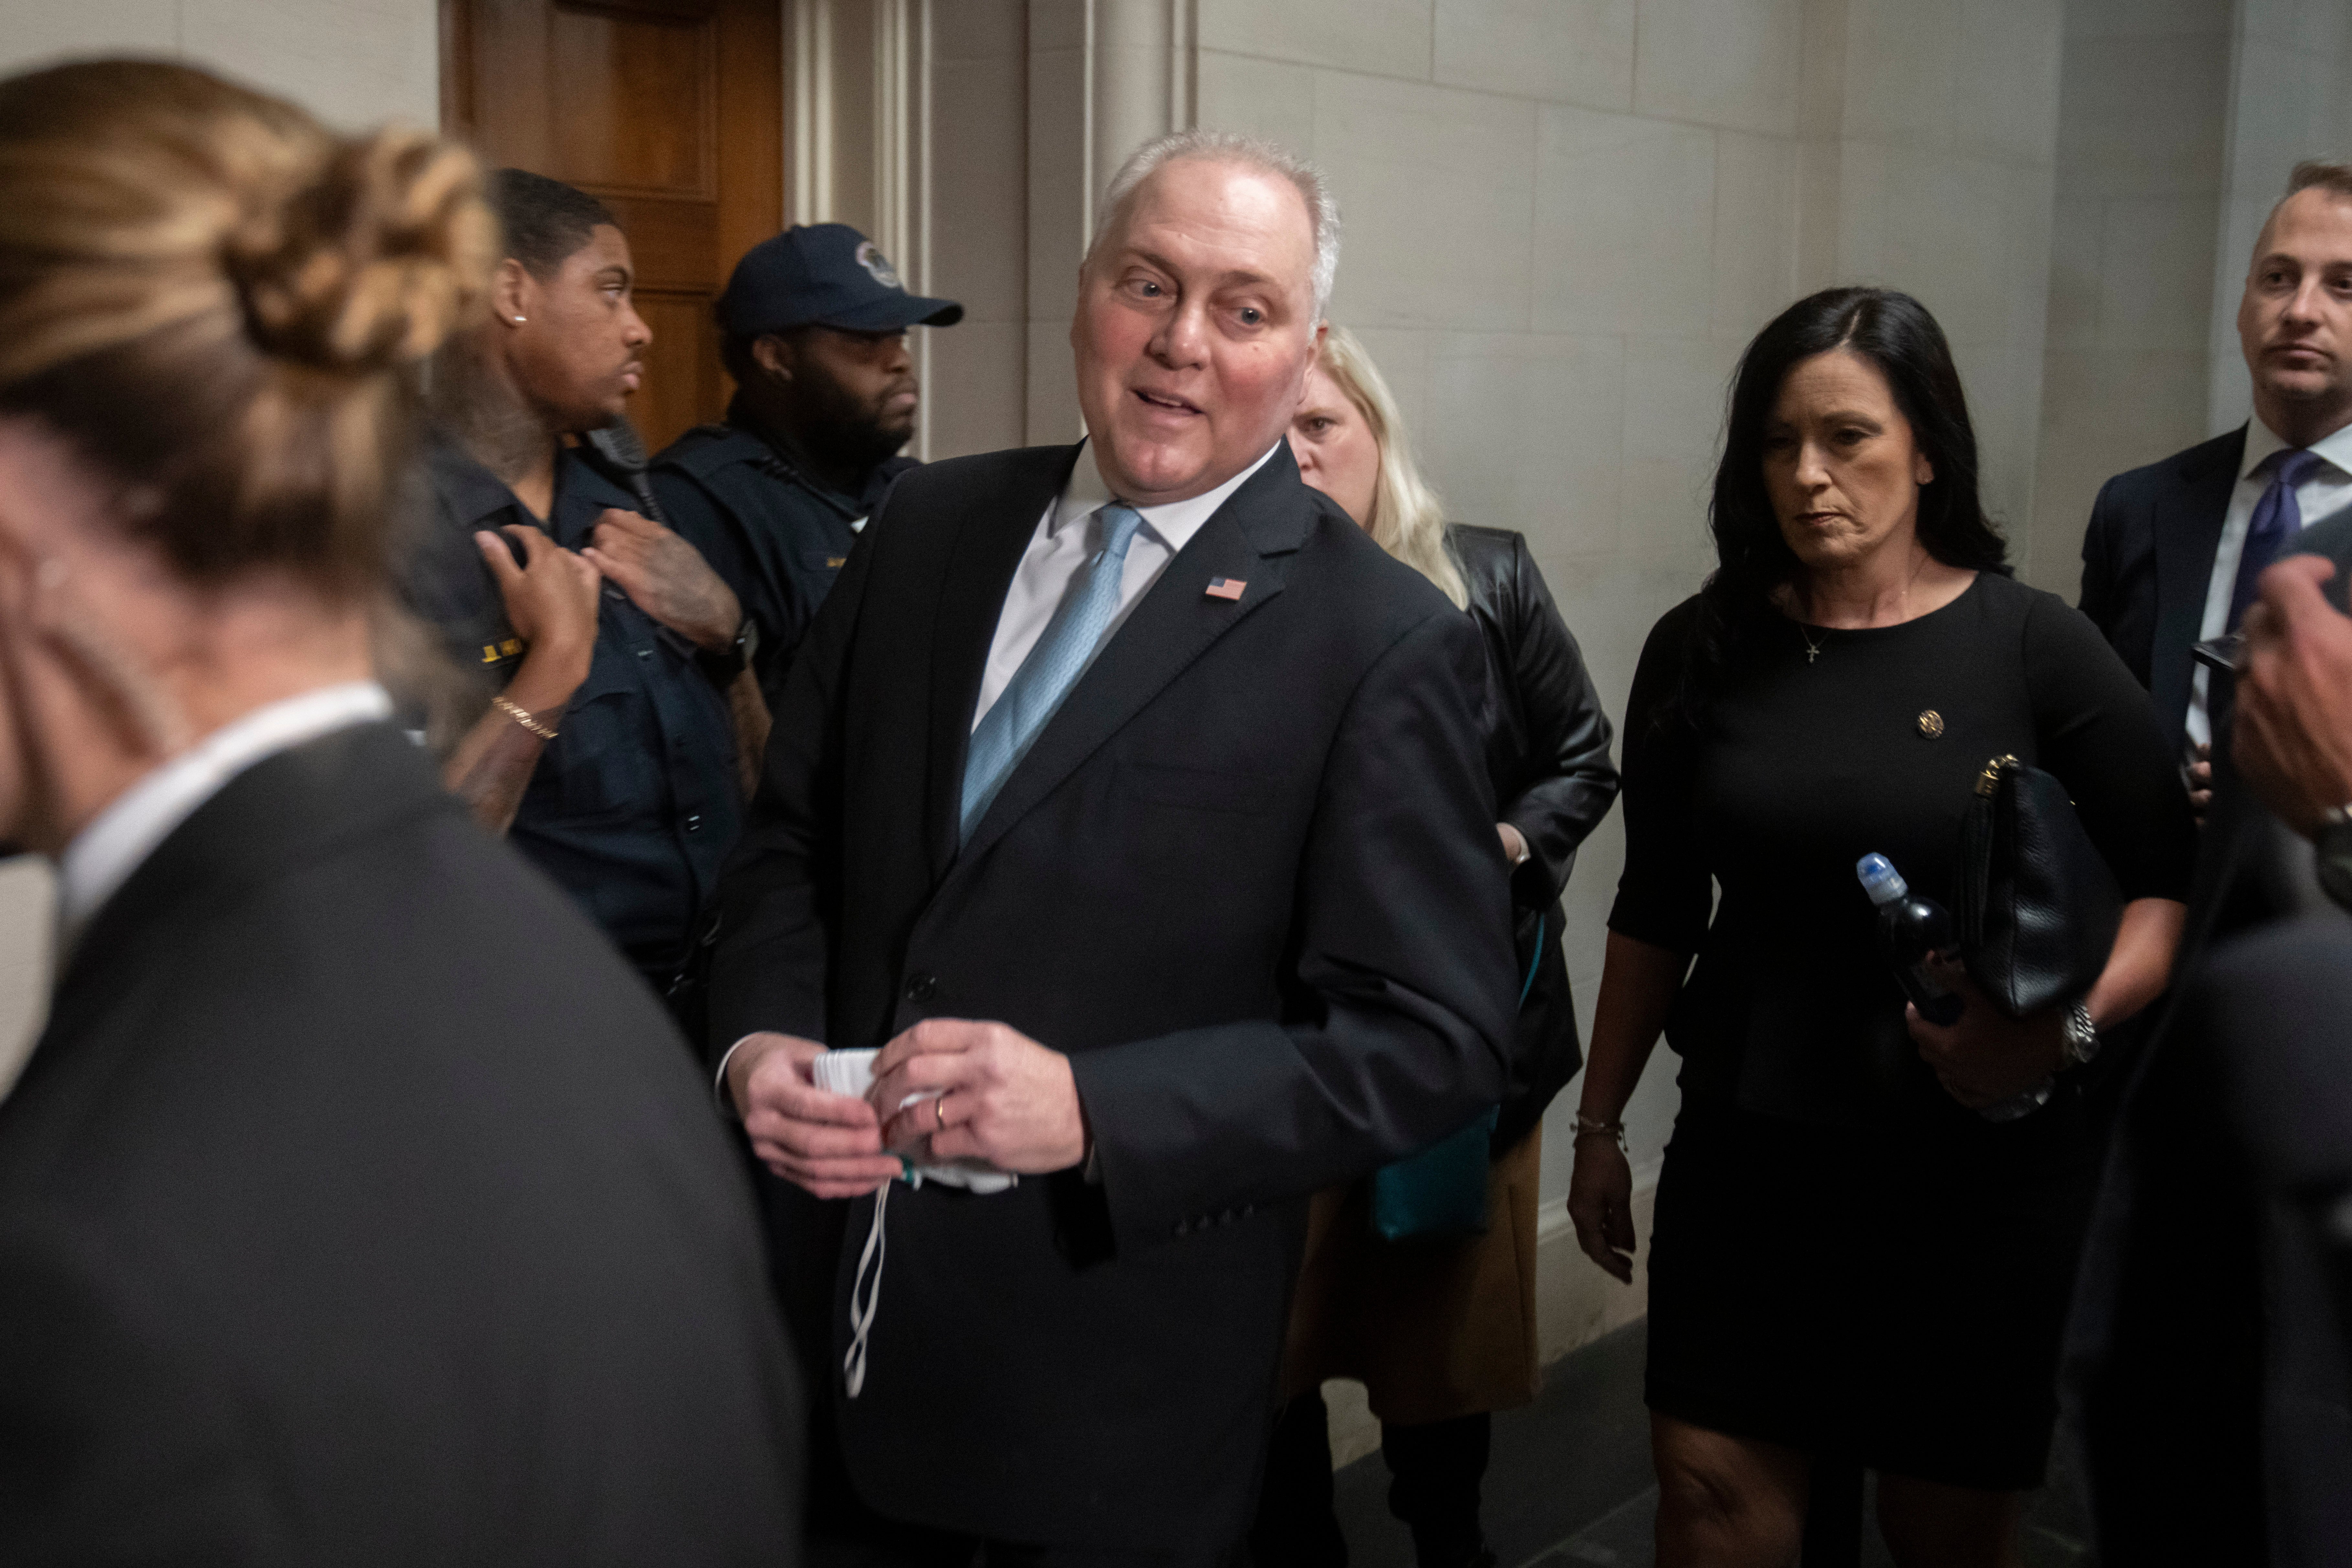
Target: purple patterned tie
2278 518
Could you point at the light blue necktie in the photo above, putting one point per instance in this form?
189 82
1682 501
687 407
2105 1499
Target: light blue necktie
1052 667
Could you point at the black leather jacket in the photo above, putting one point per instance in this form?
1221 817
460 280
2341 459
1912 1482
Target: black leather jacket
1547 757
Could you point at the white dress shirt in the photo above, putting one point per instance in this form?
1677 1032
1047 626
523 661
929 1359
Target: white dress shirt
2328 491
103 854
1050 565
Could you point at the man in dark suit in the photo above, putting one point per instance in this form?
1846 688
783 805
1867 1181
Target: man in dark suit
1130 797
2173 549
2206 1359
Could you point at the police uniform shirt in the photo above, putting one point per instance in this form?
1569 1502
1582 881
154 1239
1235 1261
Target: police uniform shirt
775 534
634 804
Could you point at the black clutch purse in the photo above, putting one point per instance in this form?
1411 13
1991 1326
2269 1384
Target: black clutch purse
2037 908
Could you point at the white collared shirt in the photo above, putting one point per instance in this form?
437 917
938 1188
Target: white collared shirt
1050 565
103 854
2328 491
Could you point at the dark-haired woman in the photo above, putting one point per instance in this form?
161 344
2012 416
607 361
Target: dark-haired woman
1849 1257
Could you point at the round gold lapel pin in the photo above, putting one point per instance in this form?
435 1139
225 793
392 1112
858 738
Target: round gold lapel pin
1931 723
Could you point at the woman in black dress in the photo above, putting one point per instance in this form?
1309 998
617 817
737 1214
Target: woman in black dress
1848 1257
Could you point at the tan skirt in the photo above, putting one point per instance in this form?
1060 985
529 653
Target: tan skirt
1433 1330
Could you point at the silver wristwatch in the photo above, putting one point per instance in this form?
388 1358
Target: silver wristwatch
2080 1036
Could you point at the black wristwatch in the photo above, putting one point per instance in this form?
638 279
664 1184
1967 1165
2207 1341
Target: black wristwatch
732 660
2332 854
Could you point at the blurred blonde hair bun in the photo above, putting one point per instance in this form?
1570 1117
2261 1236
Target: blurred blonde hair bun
220 302
375 261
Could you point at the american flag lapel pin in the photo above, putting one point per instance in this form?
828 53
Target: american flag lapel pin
1226 588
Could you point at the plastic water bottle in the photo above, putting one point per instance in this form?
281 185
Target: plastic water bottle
1911 930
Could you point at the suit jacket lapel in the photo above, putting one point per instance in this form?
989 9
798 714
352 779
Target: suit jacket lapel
2187 530
987 551
1248 537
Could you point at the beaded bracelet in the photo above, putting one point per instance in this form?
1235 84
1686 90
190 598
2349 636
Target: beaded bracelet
1614 1131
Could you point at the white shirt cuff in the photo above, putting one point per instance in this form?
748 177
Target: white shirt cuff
719 1083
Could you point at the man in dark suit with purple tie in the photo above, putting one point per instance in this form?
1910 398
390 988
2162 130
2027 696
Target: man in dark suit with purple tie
2174 548
2205 1372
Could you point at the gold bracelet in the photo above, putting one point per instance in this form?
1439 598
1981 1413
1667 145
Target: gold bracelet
523 716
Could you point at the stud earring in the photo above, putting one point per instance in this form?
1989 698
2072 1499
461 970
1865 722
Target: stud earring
518 321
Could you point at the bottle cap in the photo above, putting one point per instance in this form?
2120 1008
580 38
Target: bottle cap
1880 880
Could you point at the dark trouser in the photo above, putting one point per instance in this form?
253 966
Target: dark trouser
912 1546
1435 1470
843 1532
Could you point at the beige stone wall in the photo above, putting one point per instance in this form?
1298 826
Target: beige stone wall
979 219
2142 131
351 62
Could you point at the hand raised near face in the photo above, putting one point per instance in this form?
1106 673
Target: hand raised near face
665 577
2292 736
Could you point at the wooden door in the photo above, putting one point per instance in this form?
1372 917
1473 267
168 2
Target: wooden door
671 111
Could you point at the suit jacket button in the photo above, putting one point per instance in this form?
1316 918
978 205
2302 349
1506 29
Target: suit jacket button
921 987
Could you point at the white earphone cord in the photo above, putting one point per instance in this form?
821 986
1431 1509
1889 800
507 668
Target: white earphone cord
861 1317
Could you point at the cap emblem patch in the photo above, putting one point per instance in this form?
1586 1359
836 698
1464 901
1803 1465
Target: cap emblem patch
877 266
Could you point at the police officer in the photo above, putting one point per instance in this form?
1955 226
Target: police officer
815 336
610 693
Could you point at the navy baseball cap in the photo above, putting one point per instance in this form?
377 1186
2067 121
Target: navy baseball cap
827 275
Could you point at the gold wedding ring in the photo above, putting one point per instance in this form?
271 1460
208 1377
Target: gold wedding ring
939 1112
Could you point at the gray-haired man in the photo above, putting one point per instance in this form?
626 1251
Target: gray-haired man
1129 798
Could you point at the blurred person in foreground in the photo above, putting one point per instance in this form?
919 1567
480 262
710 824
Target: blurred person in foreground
2173 549
2209 1399
356 1205
1129 799
610 716
1442 1329
2215 1402
815 324
1849 1259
